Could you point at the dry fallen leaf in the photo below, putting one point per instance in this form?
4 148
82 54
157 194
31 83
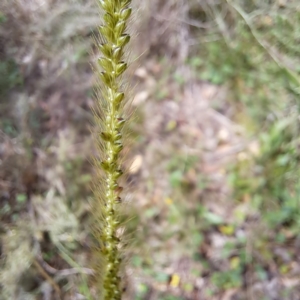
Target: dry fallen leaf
223 135
140 98
229 294
175 280
136 164
141 73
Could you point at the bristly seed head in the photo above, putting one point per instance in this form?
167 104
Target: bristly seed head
116 14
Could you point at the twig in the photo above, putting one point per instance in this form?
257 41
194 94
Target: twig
47 277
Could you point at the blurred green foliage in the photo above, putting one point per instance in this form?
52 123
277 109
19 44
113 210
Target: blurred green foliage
255 52
9 72
9 76
258 58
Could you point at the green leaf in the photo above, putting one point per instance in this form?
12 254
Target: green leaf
213 218
176 178
21 198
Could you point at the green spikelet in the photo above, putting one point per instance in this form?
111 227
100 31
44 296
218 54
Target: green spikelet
110 104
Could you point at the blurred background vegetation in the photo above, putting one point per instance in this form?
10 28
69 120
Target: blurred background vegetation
213 170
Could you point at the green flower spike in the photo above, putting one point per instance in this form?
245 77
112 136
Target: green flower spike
110 68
